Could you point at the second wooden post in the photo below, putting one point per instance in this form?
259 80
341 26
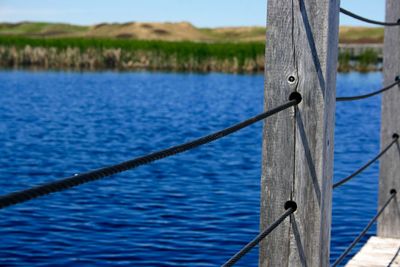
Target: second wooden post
301 56
389 221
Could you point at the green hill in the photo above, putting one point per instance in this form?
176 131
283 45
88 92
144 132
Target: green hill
182 31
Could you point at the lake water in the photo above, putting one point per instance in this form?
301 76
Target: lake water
194 209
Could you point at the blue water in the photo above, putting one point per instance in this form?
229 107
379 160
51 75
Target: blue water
194 209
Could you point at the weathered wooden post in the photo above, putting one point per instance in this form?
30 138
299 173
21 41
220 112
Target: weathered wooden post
301 56
389 222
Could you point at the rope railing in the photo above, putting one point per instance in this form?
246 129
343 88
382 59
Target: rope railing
69 182
289 210
360 170
358 17
290 207
384 151
364 232
359 97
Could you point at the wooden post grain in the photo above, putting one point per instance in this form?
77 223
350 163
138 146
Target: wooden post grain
301 56
389 222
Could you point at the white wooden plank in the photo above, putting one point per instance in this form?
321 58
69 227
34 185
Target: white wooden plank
377 252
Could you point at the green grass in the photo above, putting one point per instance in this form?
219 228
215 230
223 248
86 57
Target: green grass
181 50
182 55
344 62
235 35
40 28
366 59
238 34
361 35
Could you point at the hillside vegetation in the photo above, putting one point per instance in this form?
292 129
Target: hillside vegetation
183 31
155 46
135 30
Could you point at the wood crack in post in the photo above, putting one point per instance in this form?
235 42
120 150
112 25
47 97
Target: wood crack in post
295 67
295 64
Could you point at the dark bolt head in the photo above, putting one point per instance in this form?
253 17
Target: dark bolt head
295 96
290 204
291 79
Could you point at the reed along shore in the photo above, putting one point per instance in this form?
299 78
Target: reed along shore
115 54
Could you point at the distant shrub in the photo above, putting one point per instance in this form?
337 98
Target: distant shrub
344 61
161 32
125 36
128 23
146 26
100 25
366 59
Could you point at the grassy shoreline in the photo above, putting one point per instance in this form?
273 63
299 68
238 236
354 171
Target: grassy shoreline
117 54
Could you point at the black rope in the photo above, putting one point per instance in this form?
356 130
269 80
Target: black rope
360 170
66 183
351 98
362 234
290 207
348 13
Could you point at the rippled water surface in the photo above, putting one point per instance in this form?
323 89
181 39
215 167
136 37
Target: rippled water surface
194 209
